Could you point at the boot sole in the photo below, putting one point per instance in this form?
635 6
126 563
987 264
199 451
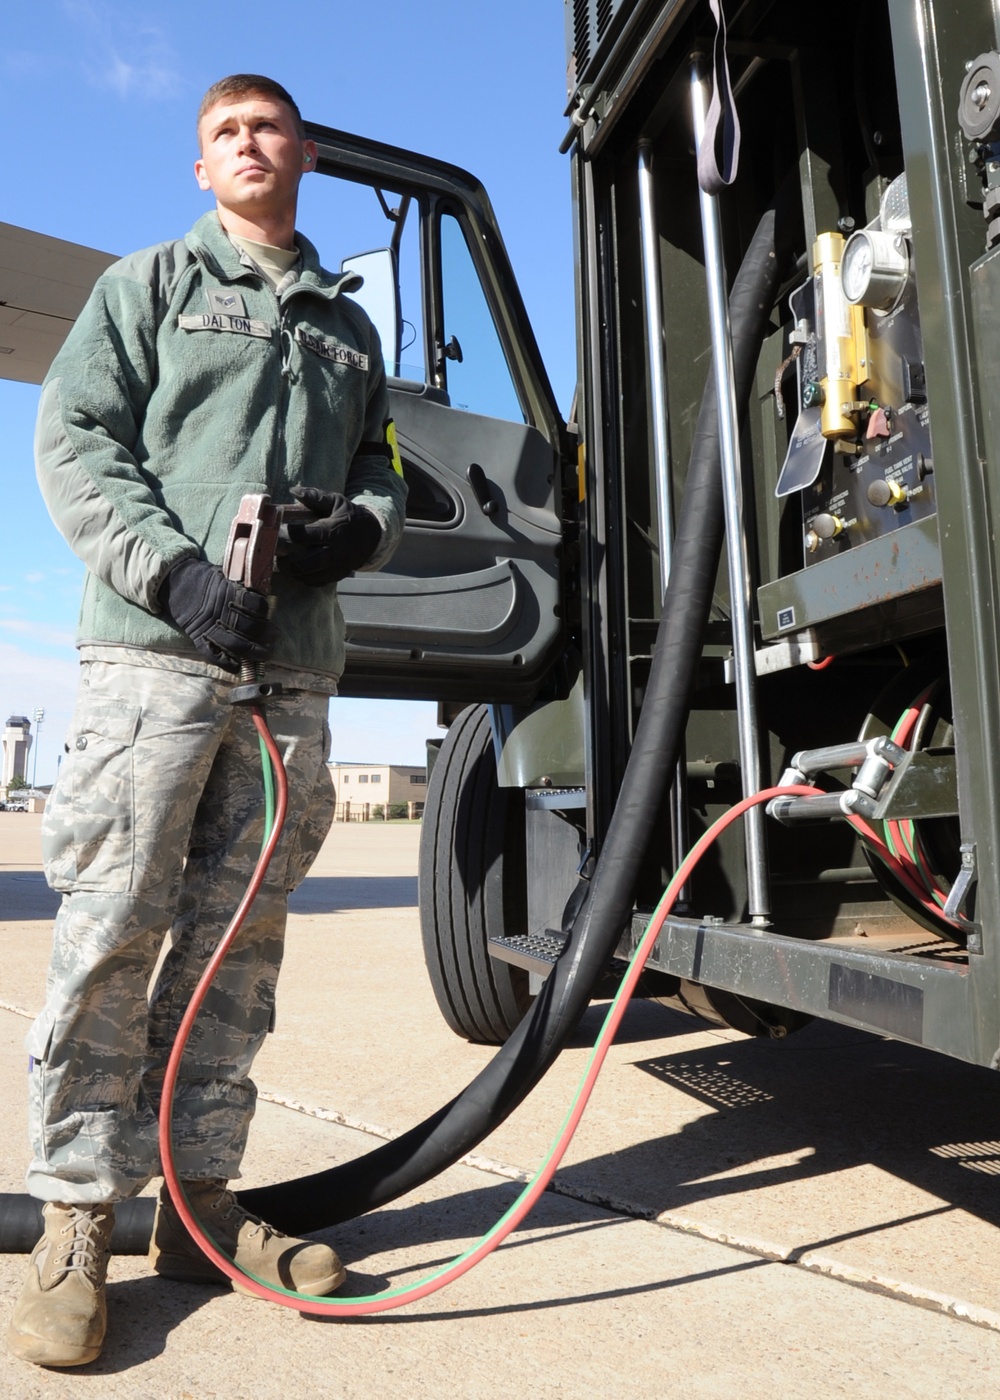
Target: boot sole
183 1269
41 1353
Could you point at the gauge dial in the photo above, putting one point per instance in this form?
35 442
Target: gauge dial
874 268
856 267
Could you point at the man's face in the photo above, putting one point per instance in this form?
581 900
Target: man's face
252 156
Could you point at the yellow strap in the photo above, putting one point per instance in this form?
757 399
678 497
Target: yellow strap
390 438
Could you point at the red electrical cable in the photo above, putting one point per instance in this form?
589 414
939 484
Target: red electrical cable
903 836
395 1298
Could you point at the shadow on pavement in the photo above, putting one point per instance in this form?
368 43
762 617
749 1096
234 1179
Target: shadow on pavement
25 895
832 1097
328 894
471 1213
142 1312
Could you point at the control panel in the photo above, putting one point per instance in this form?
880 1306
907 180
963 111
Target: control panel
859 455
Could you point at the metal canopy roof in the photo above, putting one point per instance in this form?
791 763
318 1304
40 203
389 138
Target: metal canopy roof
44 283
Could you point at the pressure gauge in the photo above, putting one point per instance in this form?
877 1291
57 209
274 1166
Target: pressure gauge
874 268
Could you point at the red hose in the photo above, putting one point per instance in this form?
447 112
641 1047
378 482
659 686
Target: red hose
915 863
525 1202
395 1298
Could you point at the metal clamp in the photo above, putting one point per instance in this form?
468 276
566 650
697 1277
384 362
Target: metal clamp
963 882
853 755
875 760
253 692
850 802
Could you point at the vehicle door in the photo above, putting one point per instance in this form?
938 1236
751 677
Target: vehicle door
470 606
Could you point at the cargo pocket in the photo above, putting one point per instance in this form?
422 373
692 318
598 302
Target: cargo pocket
37 1043
314 826
39 1038
88 831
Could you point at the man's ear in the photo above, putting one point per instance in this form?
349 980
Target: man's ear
201 175
309 154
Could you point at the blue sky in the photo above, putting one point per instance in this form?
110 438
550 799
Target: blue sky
101 97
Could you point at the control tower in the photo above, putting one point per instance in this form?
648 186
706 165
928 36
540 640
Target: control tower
16 744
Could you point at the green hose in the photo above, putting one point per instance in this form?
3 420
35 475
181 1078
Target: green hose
268 775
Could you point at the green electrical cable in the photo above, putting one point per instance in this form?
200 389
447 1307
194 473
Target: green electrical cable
268 775
908 832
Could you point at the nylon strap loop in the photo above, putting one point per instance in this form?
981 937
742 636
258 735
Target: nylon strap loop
721 109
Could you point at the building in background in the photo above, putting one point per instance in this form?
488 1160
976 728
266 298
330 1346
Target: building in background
378 791
16 746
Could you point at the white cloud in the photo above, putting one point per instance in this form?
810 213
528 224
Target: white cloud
132 58
146 76
38 631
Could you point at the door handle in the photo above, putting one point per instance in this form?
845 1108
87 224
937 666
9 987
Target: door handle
476 478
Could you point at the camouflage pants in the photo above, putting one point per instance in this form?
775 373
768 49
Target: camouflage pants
151 835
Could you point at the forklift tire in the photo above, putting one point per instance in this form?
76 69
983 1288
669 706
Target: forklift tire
472 884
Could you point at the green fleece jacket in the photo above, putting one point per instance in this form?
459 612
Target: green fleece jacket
187 383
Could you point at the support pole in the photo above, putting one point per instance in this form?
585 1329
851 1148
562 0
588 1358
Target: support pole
652 285
737 553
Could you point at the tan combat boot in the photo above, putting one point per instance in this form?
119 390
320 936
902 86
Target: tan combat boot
302 1265
61 1315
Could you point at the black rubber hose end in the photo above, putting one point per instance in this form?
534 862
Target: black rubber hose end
21 1224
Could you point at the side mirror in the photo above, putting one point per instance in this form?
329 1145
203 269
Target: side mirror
380 298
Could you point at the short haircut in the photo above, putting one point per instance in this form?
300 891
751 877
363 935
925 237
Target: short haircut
242 84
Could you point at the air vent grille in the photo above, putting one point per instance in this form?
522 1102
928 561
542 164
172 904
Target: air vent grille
581 33
587 24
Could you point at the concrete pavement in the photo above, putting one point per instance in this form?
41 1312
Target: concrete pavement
817 1216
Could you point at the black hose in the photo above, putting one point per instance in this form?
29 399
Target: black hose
21 1224
343 1192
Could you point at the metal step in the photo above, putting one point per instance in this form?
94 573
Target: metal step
537 952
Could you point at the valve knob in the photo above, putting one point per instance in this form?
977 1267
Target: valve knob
979 100
827 526
886 492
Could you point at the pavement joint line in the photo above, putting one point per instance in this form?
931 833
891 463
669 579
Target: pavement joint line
792 1256
586 1195
911 1293
17 1010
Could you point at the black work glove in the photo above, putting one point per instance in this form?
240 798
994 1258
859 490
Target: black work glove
227 622
341 538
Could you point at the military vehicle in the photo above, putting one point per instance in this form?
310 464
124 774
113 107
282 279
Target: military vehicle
799 346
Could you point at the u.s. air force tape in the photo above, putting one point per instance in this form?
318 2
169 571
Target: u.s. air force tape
217 321
331 349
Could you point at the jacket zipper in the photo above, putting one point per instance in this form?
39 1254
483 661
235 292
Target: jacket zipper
286 340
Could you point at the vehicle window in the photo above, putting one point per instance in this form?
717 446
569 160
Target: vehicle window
479 379
345 219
